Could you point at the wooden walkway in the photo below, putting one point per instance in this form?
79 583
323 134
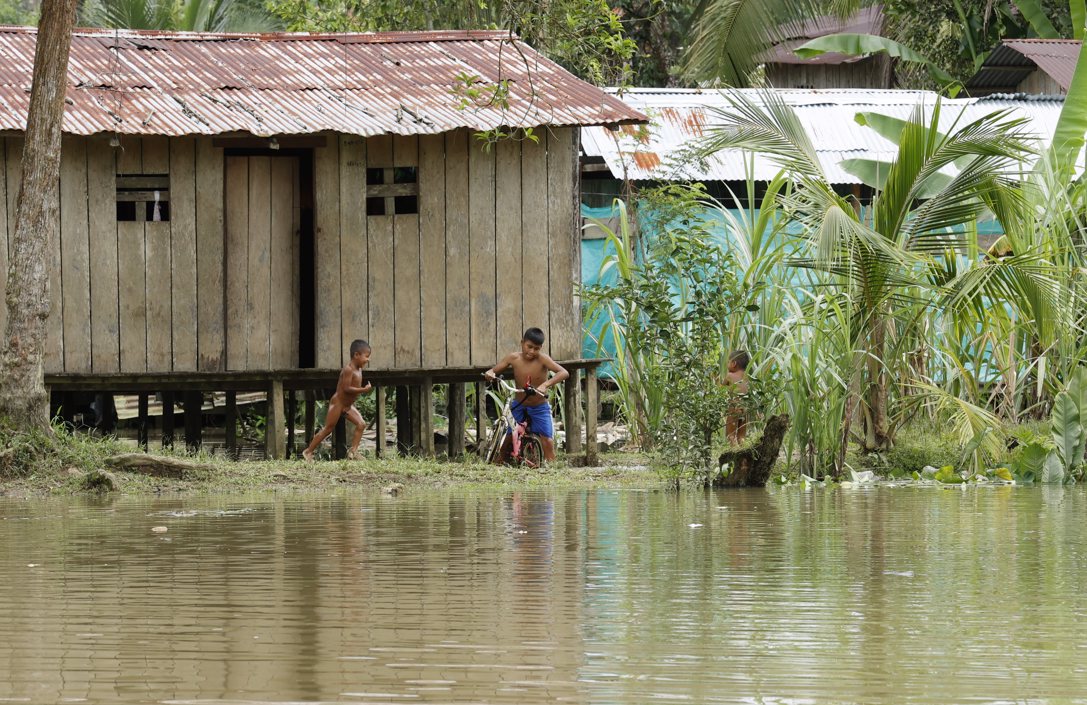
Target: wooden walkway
284 390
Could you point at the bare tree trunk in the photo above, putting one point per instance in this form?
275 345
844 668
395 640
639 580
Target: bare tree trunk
877 429
23 399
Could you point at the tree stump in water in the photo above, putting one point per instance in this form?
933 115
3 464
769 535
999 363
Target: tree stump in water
751 466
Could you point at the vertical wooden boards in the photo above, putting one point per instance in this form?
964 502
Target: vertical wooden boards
102 224
54 325
159 308
132 303
458 338
432 249
481 267
508 244
407 263
563 235
4 236
156 160
258 300
131 272
283 304
211 263
534 252
73 306
236 224
354 276
183 279
326 176
381 261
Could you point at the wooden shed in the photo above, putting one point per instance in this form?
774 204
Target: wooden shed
235 209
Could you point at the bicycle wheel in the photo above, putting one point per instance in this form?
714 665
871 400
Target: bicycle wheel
532 452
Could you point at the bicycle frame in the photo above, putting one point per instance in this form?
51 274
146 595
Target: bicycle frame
507 425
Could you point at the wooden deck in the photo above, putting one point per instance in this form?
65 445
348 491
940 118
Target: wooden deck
282 390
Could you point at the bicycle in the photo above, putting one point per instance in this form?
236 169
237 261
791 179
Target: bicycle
526 448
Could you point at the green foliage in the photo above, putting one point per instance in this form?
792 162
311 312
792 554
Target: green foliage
29 453
182 15
668 308
19 12
584 36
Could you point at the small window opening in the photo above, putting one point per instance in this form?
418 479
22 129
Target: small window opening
143 197
392 191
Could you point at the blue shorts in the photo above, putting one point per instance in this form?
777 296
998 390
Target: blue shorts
539 418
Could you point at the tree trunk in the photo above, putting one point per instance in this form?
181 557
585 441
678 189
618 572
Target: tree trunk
877 427
752 466
23 399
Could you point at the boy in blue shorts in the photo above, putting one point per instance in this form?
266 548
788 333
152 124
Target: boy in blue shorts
530 367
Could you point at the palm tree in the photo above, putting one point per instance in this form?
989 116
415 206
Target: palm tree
181 15
728 36
885 260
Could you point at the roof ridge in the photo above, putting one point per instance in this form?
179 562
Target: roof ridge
400 37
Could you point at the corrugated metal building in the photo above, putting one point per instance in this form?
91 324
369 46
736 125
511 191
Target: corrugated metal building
659 151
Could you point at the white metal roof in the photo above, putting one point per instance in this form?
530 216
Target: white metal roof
679 117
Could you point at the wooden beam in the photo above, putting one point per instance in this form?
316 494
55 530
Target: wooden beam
142 425
403 420
292 413
275 442
481 416
193 402
591 411
311 414
167 419
426 418
379 422
232 425
571 401
456 401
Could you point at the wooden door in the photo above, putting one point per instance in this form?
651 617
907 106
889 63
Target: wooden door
262 217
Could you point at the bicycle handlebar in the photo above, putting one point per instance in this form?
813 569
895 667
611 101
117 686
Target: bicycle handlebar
529 390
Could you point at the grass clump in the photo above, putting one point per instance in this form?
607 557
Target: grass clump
915 448
24 454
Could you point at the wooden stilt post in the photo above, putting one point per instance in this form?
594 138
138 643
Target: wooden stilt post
403 420
379 422
592 409
231 441
275 441
193 402
426 418
167 419
311 415
481 417
456 419
142 425
571 403
415 393
292 412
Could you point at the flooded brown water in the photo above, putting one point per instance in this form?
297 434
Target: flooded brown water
881 595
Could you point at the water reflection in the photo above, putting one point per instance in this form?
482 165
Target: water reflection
888 595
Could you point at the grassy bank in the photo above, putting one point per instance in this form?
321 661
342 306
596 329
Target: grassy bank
63 463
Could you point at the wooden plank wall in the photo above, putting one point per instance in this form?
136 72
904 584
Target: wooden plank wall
128 296
494 248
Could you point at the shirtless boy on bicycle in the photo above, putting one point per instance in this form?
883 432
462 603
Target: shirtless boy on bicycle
348 389
530 367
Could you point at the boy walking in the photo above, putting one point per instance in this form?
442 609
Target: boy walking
348 389
530 367
736 382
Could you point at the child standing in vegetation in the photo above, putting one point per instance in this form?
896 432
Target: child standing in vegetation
736 383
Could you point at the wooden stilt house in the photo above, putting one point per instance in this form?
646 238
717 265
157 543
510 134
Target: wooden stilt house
235 209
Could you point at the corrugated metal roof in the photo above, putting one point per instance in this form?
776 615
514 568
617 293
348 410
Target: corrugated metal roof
1014 59
143 82
678 117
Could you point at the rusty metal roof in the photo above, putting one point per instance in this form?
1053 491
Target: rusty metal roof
182 83
1014 59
